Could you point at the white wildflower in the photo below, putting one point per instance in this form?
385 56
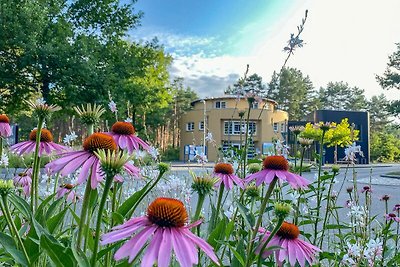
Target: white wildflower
352 151
153 152
40 101
128 120
209 137
112 106
69 138
4 160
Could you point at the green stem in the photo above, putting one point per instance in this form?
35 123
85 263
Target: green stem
90 129
327 209
220 194
56 183
260 216
145 194
387 228
114 201
85 205
319 193
199 206
12 226
87 232
397 234
107 187
36 167
245 140
272 234
297 207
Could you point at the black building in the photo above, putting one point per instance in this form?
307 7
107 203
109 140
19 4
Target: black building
359 118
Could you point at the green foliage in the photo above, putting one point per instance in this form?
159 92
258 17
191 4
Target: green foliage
340 96
170 154
391 76
252 85
293 92
385 147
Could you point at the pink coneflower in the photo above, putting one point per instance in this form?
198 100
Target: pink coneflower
124 135
384 198
47 145
392 217
67 189
224 171
5 129
292 249
71 161
366 189
396 207
165 225
24 180
277 166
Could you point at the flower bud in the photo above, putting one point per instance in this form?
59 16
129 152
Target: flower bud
163 167
203 185
282 210
254 167
252 191
6 186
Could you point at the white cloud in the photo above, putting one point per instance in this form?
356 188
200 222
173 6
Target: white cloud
345 40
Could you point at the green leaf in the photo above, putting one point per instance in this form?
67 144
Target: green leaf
56 220
248 218
79 256
128 204
58 254
217 234
118 218
337 226
238 257
76 217
42 206
93 199
9 245
229 228
21 205
53 207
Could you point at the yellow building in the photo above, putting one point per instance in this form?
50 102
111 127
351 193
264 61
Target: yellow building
220 117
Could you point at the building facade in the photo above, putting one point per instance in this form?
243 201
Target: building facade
220 116
360 119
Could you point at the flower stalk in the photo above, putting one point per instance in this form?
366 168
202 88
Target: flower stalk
13 229
260 216
36 167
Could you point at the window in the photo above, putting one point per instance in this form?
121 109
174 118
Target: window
283 128
233 128
220 104
190 126
254 105
275 127
201 126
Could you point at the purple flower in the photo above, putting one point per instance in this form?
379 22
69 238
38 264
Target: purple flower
67 189
392 217
367 189
72 161
5 129
124 135
277 166
46 146
292 249
24 180
224 171
165 226
396 207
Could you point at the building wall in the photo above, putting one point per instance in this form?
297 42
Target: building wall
215 123
359 118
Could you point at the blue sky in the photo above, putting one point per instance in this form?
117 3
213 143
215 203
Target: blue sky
212 41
